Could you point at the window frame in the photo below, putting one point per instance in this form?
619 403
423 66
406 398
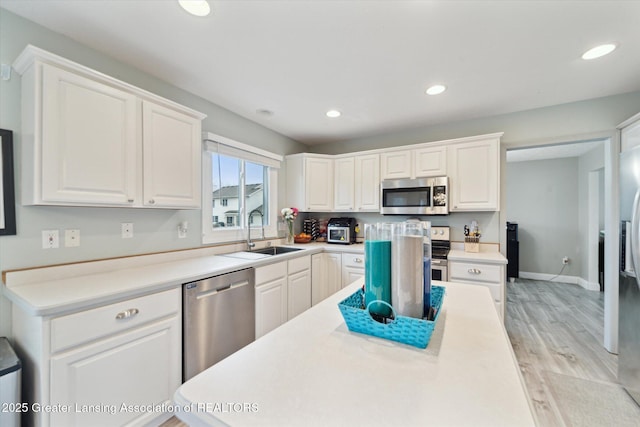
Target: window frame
225 146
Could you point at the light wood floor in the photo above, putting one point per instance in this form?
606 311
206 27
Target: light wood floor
556 327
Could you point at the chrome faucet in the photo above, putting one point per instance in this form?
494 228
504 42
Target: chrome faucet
250 244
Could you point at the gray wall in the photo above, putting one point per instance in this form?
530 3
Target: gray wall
154 230
542 197
549 232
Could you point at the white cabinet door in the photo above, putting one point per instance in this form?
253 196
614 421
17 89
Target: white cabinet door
88 142
367 182
334 272
318 184
271 306
298 293
344 184
141 367
491 276
396 164
474 176
326 275
352 268
351 274
318 278
171 155
430 161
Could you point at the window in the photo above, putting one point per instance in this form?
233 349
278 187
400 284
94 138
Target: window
240 186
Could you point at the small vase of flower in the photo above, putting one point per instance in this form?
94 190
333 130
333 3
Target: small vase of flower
289 215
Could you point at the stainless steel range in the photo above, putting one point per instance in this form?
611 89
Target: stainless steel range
440 246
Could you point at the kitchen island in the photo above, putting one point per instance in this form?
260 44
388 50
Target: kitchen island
313 371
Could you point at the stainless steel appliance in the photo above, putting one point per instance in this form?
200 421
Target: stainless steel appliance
341 230
629 283
440 246
218 319
421 196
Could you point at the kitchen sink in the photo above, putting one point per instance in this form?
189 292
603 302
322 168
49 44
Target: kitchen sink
275 250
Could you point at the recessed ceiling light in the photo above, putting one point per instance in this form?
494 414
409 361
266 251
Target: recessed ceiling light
436 89
333 113
196 7
599 51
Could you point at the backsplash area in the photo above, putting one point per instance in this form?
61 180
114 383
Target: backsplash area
488 222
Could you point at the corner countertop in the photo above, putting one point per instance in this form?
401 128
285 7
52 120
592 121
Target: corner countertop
313 371
481 257
46 296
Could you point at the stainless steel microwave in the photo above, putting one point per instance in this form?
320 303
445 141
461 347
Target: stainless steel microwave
420 196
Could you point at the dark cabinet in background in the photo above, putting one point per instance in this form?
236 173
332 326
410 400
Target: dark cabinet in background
513 251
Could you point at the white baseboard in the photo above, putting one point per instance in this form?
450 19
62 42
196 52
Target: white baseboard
590 286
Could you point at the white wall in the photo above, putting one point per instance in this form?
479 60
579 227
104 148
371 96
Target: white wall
154 230
588 163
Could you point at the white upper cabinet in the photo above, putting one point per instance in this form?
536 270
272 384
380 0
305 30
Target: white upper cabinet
351 183
344 185
396 164
91 140
474 175
367 182
310 182
430 161
171 146
319 184
421 162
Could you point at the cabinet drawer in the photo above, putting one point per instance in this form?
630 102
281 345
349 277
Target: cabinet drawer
299 264
474 272
271 272
353 260
77 328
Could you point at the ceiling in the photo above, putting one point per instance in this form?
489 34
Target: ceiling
370 59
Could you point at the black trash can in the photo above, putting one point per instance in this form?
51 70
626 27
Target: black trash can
10 370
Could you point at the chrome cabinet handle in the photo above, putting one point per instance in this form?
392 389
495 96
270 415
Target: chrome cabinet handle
357 259
130 200
151 202
127 313
474 271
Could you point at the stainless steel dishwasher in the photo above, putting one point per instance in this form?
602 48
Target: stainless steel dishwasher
218 319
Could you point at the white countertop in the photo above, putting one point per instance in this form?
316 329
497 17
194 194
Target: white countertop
481 257
313 371
49 297
52 294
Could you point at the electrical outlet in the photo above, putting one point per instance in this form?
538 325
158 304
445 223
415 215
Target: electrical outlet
50 239
565 260
182 229
71 238
127 230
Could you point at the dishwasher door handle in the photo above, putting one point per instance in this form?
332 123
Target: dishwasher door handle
229 287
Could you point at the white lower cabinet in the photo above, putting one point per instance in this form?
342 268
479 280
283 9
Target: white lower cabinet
271 297
298 286
352 268
105 365
326 275
488 275
283 290
136 368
